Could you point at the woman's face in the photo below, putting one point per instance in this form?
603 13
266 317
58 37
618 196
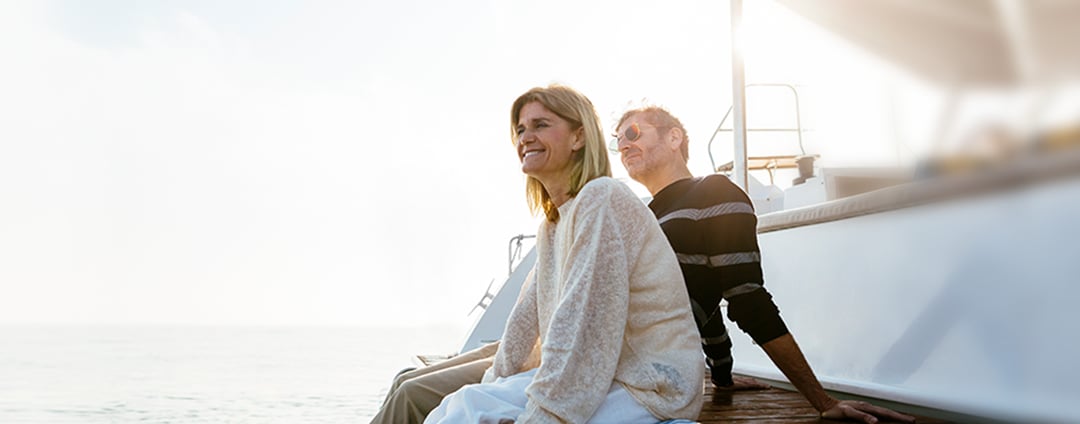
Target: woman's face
545 143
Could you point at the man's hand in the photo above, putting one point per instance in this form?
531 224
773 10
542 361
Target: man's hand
741 383
864 412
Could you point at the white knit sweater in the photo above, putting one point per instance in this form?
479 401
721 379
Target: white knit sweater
607 304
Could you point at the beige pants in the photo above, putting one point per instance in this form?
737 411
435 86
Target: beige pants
415 393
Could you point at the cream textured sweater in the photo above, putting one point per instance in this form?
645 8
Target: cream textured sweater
607 304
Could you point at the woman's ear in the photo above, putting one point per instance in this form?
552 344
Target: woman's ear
579 139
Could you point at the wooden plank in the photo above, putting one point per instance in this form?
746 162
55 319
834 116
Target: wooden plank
764 406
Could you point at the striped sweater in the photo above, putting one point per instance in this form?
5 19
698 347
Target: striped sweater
710 224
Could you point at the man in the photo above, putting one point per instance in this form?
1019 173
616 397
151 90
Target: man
711 225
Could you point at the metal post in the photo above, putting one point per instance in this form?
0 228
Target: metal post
1014 18
738 97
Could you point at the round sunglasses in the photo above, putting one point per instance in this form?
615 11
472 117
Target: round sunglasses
631 134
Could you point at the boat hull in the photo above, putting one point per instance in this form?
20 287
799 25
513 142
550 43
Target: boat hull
964 305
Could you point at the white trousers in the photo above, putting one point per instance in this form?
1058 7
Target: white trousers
505 398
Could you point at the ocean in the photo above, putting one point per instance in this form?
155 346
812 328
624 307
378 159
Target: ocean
52 374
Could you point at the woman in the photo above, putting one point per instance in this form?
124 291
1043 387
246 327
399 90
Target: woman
603 332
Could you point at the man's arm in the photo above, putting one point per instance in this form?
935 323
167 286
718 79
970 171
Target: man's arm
787 356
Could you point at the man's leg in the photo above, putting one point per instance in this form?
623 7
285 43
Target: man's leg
414 396
714 338
486 351
716 344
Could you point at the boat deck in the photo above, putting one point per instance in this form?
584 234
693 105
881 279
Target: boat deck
765 406
751 406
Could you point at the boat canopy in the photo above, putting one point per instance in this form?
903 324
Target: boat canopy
961 42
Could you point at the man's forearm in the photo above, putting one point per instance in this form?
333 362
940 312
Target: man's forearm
787 356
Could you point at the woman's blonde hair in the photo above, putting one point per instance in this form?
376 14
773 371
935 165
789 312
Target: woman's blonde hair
590 162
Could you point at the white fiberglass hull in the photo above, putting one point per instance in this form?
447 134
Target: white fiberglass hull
966 305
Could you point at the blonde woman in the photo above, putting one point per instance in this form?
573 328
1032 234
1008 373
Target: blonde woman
603 332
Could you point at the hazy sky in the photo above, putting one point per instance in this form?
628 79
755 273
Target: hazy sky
330 162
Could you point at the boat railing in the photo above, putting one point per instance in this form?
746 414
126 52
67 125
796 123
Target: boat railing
515 253
772 162
485 300
1038 167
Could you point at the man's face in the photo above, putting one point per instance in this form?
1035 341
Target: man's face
643 147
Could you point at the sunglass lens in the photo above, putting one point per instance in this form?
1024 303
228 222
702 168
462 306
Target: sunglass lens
633 132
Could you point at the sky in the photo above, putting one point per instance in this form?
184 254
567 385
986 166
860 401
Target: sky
337 162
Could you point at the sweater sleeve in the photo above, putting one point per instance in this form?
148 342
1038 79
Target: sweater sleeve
518 350
583 342
739 274
732 268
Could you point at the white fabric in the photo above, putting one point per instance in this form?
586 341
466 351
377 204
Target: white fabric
607 304
505 399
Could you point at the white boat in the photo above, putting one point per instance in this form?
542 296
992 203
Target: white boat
952 292
953 295
948 295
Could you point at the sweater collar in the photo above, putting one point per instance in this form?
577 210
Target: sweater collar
672 192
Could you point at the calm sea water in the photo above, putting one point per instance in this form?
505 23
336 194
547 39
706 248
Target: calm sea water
204 374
